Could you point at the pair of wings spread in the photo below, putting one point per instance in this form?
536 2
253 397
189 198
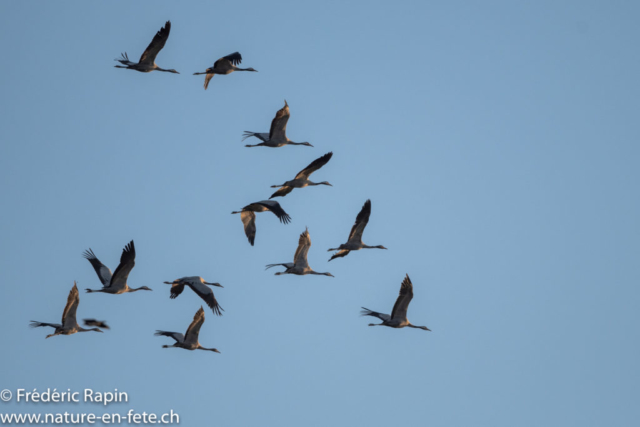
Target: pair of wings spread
401 306
191 336
118 280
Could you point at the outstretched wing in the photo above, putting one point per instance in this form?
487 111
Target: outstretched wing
402 303
286 265
35 324
208 77
314 166
304 243
235 58
249 221
175 335
381 316
361 222
194 328
207 295
127 261
156 45
275 207
103 272
97 323
279 123
282 191
341 253
176 289
264 137
69 313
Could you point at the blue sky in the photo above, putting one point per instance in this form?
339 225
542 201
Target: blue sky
498 143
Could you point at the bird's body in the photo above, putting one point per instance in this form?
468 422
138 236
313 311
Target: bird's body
188 341
398 317
277 136
200 287
248 216
299 266
147 61
302 178
69 325
116 283
225 65
355 237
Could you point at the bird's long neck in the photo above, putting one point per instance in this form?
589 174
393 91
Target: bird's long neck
296 143
320 274
167 71
136 289
318 183
80 329
372 247
419 327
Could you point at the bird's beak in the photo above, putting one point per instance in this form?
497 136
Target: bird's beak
214 284
216 350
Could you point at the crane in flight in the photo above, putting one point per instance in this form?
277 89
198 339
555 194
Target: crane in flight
277 136
225 65
147 62
69 323
398 318
188 341
300 266
302 178
355 237
116 283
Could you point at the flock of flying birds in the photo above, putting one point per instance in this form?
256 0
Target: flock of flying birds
116 283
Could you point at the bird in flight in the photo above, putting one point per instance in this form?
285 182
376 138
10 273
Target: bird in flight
188 341
302 178
299 266
355 237
248 216
69 323
116 283
147 62
225 65
200 287
98 323
277 136
398 318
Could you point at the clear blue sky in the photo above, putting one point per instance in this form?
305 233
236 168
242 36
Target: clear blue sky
498 143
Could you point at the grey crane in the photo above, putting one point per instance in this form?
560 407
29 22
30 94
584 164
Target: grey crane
93 322
300 266
277 136
398 318
200 287
147 62
302 178
248 216
116 283
225 65
188 341
69 324
355 237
